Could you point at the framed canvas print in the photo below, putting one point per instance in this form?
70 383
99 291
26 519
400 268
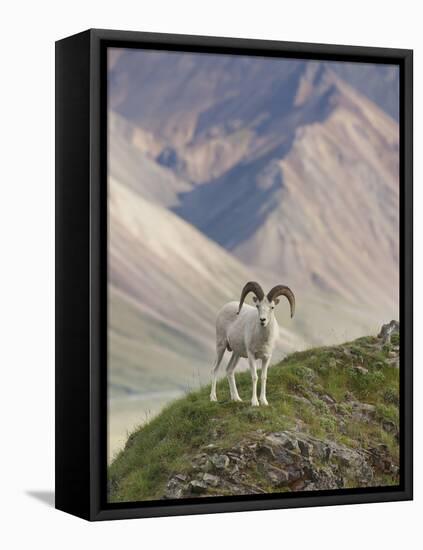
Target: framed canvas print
233 274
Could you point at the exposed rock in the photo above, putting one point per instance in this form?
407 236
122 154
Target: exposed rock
201 462
362 412
220 461
387 330
283 439
211 479
198 487
180 477
327 399
174 488
276 476
306 448
288 460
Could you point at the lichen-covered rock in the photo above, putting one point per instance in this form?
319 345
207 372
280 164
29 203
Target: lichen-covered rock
220 461
287 460
211 479
276 476
387 331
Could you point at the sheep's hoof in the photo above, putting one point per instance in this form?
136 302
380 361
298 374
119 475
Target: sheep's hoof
255 403
264 402
213 398
238 399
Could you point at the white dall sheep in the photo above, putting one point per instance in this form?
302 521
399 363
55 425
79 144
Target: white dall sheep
249 332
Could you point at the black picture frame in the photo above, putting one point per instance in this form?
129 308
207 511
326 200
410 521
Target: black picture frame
81 273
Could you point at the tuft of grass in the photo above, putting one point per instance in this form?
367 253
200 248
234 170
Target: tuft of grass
295 386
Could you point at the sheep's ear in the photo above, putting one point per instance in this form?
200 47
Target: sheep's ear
255 299
276 301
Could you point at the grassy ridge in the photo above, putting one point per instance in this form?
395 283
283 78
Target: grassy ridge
300 390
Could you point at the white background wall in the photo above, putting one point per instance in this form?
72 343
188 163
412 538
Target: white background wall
28 32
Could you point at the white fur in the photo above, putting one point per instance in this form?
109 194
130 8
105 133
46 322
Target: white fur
251 334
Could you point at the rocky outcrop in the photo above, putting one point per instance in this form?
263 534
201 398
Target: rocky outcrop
387 331
280 461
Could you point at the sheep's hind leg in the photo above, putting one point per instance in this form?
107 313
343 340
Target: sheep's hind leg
254 377
220 350
233 361
264 367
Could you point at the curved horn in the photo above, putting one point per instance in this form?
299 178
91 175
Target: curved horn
281 290
251 286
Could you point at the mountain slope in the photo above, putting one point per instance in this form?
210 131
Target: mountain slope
336 223
179 95
208 111
322 212
332 423
379 83
290 169
130 160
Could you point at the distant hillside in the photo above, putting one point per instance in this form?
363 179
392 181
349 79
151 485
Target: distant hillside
379 83
131 162
280 162
332 422
181 96
317 203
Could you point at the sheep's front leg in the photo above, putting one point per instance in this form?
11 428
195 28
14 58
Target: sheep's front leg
253 369
264 367
233 361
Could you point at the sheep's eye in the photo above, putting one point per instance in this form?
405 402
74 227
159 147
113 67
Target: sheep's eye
273 307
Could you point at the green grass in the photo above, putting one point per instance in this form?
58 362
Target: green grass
167 444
